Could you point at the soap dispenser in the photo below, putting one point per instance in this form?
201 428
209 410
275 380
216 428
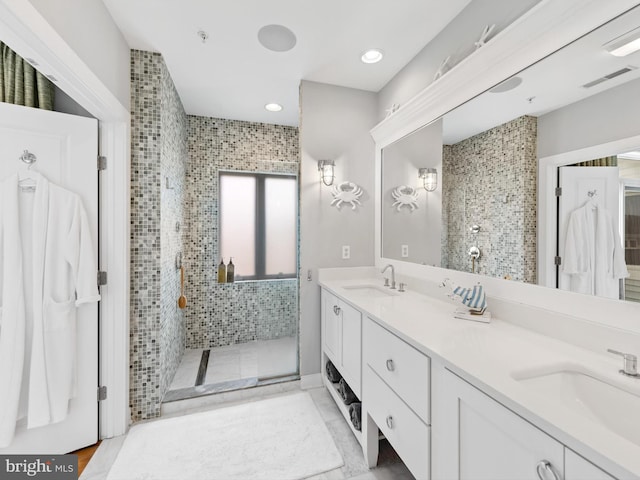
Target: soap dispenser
222 272
230 271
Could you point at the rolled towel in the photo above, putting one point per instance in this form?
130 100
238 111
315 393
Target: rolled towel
355 412
348 397
332 372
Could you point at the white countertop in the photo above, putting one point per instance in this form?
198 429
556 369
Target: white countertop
488 354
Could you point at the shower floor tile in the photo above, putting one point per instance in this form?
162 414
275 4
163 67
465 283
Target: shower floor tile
261 359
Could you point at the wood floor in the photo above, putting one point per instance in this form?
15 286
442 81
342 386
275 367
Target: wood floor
84 455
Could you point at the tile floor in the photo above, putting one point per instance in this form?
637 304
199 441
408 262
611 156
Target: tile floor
260 359
389 466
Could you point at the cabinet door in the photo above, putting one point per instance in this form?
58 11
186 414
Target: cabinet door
351 347
577 468
331 327
487 441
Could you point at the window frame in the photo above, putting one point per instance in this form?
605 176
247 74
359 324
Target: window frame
260 243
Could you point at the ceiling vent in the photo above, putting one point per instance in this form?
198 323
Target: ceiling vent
609 76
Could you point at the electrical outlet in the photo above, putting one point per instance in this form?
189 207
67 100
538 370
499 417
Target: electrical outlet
346 252
405 251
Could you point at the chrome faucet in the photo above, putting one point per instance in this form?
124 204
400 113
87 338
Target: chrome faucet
630 365
393 275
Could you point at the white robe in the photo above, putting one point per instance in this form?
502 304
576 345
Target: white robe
593 254
47 268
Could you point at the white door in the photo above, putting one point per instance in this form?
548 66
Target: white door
577 184
66 148
483 440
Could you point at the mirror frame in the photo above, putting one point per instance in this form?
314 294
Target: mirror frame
553 25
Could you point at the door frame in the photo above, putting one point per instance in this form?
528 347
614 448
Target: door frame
31 36
547 182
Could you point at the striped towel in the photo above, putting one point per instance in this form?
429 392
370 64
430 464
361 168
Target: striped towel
472 298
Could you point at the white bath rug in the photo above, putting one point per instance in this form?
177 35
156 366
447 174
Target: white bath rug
281 438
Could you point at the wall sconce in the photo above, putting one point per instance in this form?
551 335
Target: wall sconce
429 178
327 175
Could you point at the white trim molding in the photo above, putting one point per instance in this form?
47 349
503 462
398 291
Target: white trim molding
547 27
24 29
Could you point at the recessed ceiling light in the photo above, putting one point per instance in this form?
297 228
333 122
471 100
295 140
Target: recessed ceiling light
625 44
273 107
277 38
371 56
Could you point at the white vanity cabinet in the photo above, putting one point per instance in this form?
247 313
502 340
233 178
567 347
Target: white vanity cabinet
485 440
396 380
342 339
577 468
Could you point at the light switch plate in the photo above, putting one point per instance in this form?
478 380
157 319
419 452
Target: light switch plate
346 252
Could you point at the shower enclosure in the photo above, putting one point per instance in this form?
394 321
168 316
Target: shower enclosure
243 332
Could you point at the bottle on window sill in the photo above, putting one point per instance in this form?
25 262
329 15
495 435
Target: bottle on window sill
230 271
222 272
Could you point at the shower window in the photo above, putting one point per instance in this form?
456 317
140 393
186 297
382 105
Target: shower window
258 224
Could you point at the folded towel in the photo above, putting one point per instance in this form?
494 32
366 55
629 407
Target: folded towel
332 372
355 412
348 397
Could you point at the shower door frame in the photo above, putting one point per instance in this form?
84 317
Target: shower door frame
31 36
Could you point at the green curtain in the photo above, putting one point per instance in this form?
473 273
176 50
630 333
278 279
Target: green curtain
600 162
21 84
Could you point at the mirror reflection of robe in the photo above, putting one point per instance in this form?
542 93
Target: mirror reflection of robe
47 269
593 252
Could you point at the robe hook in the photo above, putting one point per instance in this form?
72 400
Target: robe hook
28 158
592 193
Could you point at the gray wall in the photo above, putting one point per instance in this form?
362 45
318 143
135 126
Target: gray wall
158 148
335 124
457 40
87 26
608 116
419 229
226 314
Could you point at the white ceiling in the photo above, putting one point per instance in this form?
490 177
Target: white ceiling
554 82
233 76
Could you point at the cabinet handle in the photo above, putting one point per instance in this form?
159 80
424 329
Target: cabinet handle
336 310
390 365
545 470
390 421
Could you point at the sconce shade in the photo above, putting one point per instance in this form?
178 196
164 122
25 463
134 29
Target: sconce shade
429 178
327 175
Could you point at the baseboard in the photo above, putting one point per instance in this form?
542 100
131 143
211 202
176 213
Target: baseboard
311 381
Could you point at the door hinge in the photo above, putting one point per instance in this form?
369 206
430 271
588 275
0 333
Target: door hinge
557 261
558 191
102 162
102 393
102 278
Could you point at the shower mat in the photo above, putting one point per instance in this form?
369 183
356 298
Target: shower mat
280 438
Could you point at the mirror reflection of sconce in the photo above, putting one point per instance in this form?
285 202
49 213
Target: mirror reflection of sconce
429 178
326 169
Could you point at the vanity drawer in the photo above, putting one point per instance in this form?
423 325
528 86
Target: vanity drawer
402 367
408 435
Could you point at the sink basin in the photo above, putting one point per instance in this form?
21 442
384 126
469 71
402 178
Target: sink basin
371 291
598 399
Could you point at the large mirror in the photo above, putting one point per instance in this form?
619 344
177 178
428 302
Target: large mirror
482 215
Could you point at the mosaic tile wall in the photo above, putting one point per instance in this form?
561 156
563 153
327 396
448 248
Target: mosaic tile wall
226 314
173 165
158 150
490 180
